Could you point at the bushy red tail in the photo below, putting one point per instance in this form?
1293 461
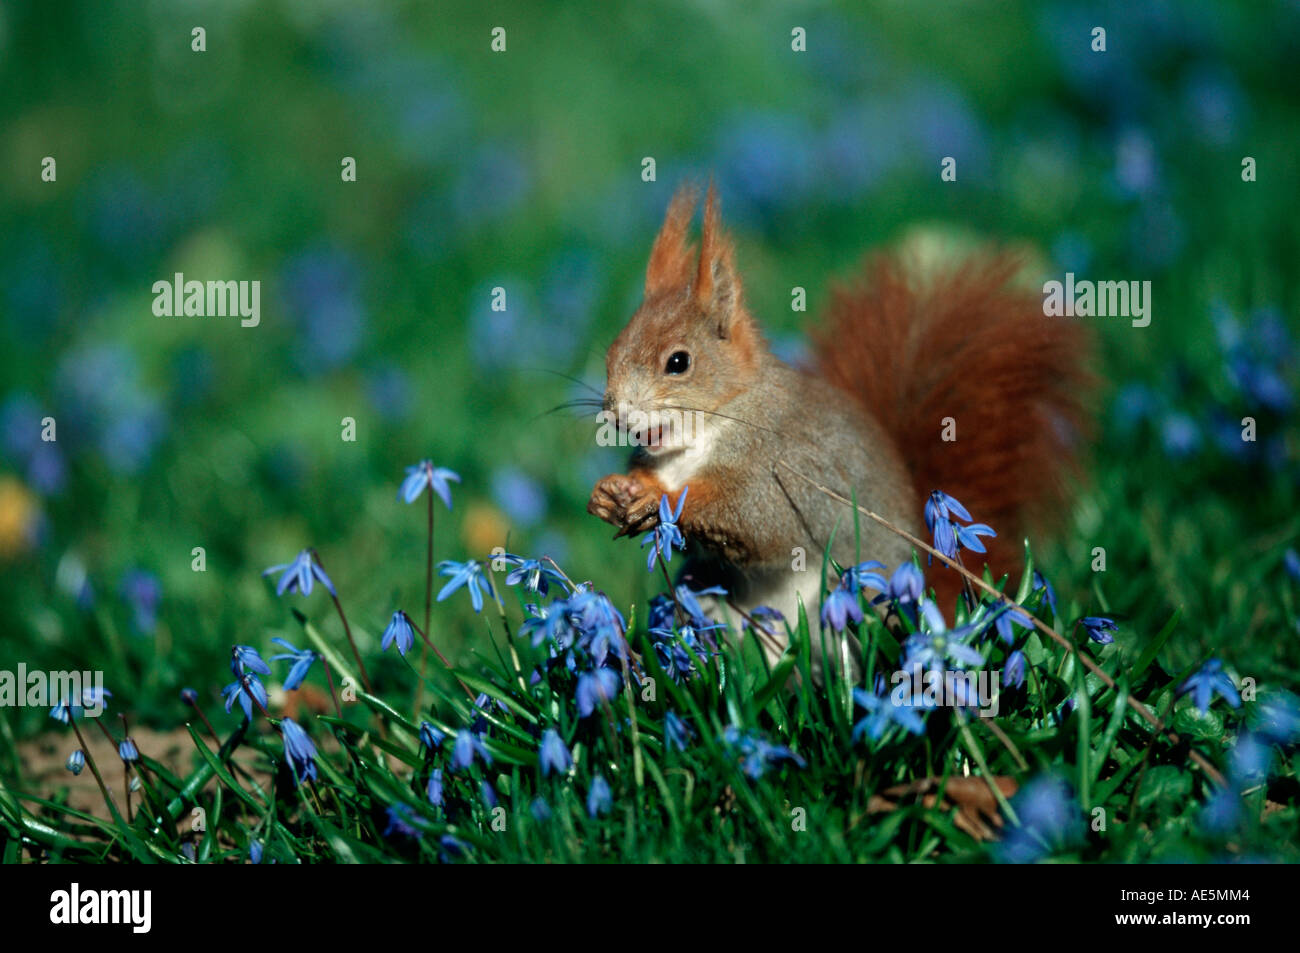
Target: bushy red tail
966 344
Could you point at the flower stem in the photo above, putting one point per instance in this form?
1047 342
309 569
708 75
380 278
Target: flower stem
94 768
347 630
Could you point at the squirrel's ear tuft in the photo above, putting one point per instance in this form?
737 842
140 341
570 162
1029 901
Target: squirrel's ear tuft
717 286
672 256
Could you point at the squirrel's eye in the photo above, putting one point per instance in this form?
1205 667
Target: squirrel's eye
678 362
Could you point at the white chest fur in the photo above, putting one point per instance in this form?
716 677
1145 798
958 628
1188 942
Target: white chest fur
676 468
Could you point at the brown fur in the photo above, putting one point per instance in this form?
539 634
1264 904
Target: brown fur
969 345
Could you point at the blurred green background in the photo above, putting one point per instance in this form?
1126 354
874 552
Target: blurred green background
521 170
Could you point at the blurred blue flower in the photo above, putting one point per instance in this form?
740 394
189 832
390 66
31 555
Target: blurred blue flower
935 646
596 688
431 736
298 751
255 852
1013 673
399 630
520 496
1180 435
127 751
425 474
755 753
552 755
322 292
390 393
1279 718
765 165
298 575
142 592
469 575
1249 760
1049 821
1208 681
469 745
433 791
1136 168
76 761
882 712
540 810
302 660
403 820
488 793
600 799
677 733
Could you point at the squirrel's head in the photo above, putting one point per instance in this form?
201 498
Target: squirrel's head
691 346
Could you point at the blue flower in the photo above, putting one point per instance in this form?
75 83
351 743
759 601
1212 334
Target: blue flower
434 789
302 660
143 591
755 753
489 794
399 630
690 602
245 658
469 744
841 606
677 733
1209 681
1042 585
1004 617
678 650
299 575
1279 718
941 513
863 574
1099 629
127 751
600 799
425 474
1048 821
189 696
765 618
596 688
906 586
935 646
553 755
430 736
298 751
667 534
548 624
402 820
533 573
1250 759
540 810
245 690
255 852
1291 560
76 761
1013 673
469 575
883 712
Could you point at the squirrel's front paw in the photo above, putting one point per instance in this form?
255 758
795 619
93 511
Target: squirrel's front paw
624 501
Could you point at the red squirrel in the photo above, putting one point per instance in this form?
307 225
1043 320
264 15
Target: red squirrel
895 358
